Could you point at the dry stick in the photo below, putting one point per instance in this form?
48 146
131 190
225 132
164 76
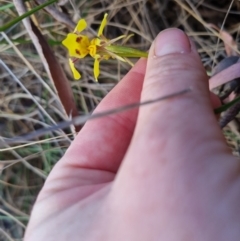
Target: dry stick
51 65
229 115
60 80
225 65
82 119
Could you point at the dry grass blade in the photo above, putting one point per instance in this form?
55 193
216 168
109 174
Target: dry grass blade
59 16
222 26
82 119
6 235
230 44
24 88
198 18
13 218
225 76
24 162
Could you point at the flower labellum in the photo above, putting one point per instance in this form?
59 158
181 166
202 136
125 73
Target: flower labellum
99 48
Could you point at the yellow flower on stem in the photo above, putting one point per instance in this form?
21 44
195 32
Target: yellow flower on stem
99 47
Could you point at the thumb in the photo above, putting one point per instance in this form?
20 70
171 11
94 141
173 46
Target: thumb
176 165
184 125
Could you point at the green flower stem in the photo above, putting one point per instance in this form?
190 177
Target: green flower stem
126 52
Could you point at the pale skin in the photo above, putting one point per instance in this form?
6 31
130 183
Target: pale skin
163 173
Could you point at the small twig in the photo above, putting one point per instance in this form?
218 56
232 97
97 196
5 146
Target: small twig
58 76
229 115
82 119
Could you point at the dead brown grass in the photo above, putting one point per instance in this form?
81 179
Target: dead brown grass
28 100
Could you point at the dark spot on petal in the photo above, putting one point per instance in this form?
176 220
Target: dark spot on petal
77 52
78 39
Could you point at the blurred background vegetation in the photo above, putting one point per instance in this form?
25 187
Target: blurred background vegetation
32 95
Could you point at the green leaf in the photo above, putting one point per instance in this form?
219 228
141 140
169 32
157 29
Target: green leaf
16 20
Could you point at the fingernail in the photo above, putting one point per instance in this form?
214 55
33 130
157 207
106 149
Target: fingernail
172 41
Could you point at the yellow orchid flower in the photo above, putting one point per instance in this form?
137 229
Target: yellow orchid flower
99 48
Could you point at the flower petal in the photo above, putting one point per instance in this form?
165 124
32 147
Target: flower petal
96 70
76 74
70 43
77 45
103 24
81 25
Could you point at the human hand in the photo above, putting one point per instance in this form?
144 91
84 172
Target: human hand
164 173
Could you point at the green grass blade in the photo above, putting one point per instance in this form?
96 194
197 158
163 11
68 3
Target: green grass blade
6 6
16 20
23 41
226 106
